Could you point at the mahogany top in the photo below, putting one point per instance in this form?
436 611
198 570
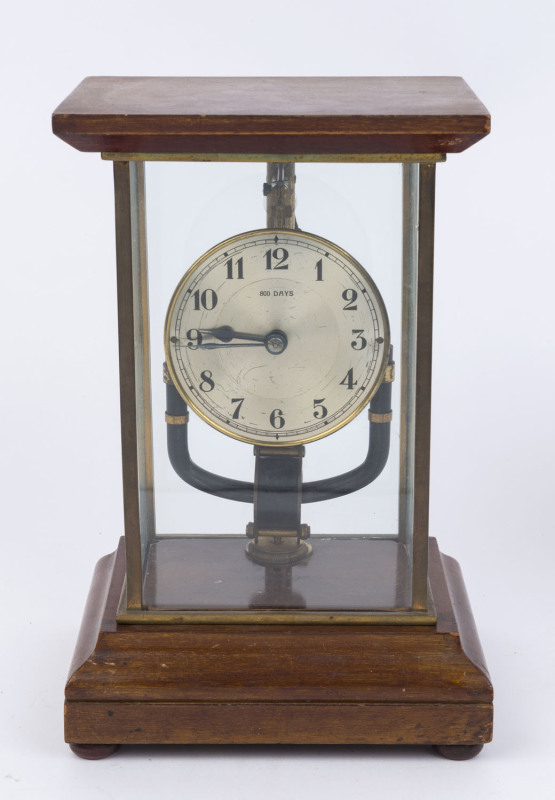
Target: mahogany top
346 115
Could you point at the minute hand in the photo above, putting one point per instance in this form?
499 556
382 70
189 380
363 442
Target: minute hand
219 345
275 342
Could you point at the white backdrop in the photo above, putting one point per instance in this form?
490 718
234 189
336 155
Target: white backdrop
493 404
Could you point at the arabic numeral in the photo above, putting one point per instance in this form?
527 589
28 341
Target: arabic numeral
319 270
194 337
349 380
320 411
350 295
238 266
207 384
277 420
360 342
239 401
208 299
279 255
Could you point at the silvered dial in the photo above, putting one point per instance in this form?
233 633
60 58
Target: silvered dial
276 337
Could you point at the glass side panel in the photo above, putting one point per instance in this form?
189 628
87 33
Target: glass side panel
361 543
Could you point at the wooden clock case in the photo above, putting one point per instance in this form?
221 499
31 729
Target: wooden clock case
276 683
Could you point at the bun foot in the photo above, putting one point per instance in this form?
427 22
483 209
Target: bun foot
458 752
93 752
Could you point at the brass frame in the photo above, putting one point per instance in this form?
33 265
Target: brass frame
136 422
416 371
398 616
340 158
423 368
134 351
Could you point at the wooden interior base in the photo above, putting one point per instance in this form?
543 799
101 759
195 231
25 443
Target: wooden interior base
268 684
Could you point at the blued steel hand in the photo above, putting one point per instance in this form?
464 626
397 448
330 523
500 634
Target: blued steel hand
225 334
275 342
219 345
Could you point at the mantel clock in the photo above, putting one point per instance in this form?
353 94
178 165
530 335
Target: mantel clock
276 582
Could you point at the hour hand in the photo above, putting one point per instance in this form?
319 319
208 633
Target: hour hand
275 341
225 333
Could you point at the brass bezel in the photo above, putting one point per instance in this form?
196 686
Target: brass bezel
294 233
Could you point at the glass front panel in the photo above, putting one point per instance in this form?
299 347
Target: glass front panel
273 341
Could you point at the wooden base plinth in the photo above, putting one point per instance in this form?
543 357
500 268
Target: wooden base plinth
270 684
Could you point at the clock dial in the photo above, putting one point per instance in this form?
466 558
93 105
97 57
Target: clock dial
276 337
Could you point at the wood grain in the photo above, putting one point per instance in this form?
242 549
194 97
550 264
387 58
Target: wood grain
272 115
275 723
276 683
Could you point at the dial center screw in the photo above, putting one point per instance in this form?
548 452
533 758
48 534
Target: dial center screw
275 342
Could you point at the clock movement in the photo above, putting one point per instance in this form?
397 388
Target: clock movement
276 582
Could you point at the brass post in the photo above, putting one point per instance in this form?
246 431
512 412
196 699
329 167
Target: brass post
418 254
134 360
